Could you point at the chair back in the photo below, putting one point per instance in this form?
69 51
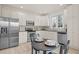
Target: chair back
62 38
32 37
64 43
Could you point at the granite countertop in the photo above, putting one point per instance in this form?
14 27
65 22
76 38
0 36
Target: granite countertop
45 28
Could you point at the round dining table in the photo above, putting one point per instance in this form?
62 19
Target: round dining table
41 46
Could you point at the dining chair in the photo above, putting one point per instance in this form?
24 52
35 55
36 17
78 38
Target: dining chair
33 37
64 42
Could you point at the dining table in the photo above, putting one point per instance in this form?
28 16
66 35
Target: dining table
41 46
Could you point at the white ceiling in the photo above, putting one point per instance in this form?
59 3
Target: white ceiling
40 8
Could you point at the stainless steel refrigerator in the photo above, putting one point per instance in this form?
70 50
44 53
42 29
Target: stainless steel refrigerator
9 32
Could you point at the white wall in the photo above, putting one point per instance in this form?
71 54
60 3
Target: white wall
0 10
72 20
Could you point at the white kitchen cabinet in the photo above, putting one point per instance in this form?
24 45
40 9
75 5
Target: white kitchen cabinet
22 37
41 21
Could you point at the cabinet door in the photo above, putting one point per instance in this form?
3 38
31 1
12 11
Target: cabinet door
28 37
4 43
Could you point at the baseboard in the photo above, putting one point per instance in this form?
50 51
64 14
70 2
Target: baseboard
74 49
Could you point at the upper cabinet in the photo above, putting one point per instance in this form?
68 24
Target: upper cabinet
41 21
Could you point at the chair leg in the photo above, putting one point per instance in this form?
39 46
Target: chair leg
44 52
66 50
35 51
38 51
61 49
32 50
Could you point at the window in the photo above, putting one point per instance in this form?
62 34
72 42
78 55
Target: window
60 21
56 21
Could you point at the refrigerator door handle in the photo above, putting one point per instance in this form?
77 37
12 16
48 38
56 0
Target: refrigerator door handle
6 30
1 30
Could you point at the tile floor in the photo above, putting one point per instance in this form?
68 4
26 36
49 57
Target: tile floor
25 48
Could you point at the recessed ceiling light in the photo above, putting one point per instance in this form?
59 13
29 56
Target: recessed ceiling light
21 6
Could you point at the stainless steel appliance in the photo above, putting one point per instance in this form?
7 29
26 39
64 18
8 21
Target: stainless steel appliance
29 28
9 32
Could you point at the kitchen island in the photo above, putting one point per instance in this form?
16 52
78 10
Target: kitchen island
45 31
